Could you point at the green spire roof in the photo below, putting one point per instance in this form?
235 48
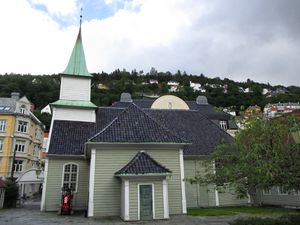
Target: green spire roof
77 65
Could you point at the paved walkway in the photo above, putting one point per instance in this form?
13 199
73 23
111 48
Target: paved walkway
30 215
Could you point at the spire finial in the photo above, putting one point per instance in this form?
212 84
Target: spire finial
80 16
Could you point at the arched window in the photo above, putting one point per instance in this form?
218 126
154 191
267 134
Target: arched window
23 109
70 176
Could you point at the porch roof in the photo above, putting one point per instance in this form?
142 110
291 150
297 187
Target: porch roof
143 164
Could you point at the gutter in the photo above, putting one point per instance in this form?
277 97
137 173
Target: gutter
65 156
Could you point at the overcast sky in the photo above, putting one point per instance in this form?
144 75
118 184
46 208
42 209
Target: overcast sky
237 39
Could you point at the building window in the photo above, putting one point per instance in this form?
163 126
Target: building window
20 146
296 192
70 177
223 124
2 125
38 133
282 191
1 144
36 150
23 109
22 126
266 191
18 166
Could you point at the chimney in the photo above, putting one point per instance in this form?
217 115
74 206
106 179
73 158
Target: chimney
201 100
15 95
125 97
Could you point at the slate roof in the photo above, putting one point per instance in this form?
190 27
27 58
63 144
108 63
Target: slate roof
142 103
133 125
191 125
7 102
69 137
142 164
206 109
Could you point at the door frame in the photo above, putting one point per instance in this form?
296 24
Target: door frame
153 199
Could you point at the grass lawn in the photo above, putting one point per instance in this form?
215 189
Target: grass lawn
227 211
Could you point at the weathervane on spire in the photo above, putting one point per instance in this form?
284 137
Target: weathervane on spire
80 16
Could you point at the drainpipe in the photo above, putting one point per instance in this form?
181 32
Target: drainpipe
13 160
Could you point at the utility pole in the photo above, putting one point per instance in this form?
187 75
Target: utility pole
13 160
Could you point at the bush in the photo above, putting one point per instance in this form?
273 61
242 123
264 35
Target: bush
294 219
11 194
284 220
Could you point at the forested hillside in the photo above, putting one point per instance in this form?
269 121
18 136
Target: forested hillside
106 88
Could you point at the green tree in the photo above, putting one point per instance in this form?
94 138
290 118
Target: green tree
11 194
261 156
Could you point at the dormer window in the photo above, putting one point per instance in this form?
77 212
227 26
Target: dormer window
2 125
223 124
23 109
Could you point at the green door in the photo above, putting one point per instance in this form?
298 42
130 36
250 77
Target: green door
146 202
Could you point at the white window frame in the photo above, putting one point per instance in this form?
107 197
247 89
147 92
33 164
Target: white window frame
1 144
296 192
2 125
22 126
20 146
70 173
223 124
36 150
153 200
280 191
37 133
18 165
23 109
266 191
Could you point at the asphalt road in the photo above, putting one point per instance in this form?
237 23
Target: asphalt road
29 214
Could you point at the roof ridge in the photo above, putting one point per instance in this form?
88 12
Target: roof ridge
214 124
141 111
101 131
161 125
145 153
110 124
138 157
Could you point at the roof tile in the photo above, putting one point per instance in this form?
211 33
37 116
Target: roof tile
133 125
142 163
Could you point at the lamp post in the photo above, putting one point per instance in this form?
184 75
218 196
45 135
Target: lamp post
13 160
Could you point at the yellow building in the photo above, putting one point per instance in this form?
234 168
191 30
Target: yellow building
21 134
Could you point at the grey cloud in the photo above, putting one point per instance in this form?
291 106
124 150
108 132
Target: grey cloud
238 39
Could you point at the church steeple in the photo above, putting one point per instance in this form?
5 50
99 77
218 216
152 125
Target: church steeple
75 89
77 64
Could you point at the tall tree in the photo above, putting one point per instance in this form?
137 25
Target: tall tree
262 155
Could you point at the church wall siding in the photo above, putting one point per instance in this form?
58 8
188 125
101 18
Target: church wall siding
107 200
291 198
84 115
75 88
204 196
54 184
